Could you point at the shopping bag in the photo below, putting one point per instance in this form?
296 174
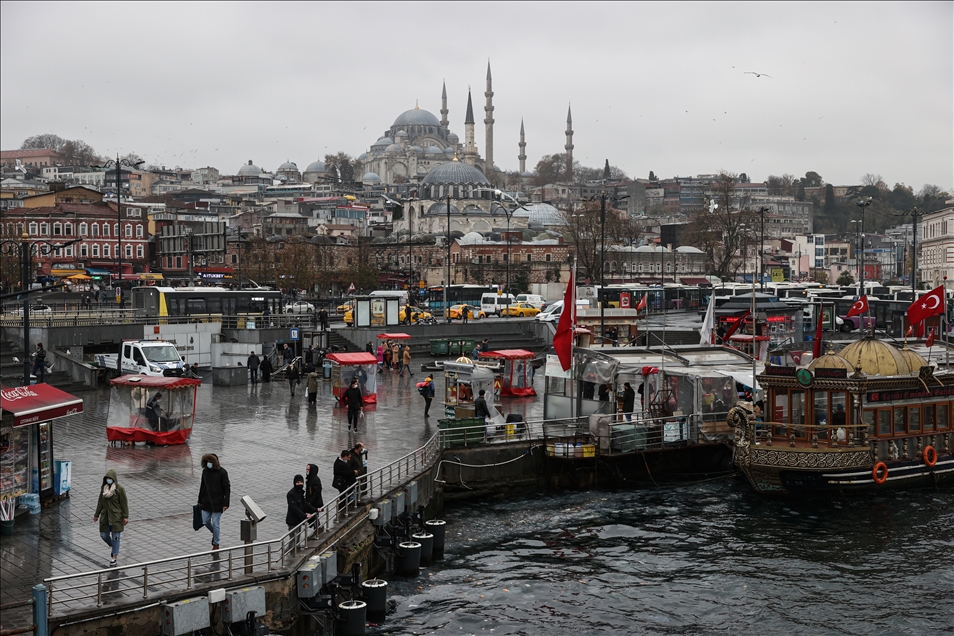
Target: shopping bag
197 517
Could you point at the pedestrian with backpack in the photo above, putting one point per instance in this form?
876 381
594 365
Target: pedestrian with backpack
427 392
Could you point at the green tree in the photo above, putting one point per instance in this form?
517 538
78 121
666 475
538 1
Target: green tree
342 163
845 279
812 180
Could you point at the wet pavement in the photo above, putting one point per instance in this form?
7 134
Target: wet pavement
263 437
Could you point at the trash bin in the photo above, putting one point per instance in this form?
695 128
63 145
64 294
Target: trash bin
453 347
326 369
438 347
467 346
62 475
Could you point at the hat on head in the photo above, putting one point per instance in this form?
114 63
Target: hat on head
298 478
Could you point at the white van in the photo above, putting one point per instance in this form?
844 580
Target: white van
534 300
495 304
400 294
552 312
144 357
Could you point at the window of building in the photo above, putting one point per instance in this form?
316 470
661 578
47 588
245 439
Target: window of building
139 251
129 230
128 250
44 229
83 229
234 259
95 250
547 258
105 229
83 250
105 251
95 229
139 231
529 257
57 229
33 229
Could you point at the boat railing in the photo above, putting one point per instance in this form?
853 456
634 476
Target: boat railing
183 573
811 435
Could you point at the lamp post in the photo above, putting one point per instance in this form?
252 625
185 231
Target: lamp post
762 211
24 248
118 164
447 262
863 203
410 256
915 212
509 213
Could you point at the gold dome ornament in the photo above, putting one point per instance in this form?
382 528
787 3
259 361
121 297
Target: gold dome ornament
875 358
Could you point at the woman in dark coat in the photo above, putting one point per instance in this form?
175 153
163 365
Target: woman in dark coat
298 507
265 368
313 488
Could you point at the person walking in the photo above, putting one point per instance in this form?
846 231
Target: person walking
323 319
344 477
252 364
354 400
395 357
112 512
407 361
312 386
266 368
629 401
359 463
214 493
480 406
380 354
298 507
313 487
293 377
428 392
39 363
287 355
387 355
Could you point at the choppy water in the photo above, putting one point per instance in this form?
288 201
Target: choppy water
704 559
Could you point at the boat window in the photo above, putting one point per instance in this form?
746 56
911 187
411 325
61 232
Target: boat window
839 409
821 414
869 418
899 419
798 411
930 411
781 413
942 411
884 422
914 419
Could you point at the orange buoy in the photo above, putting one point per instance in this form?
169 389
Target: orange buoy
880 473
930 456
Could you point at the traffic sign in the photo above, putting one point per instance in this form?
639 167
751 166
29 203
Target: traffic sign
293 334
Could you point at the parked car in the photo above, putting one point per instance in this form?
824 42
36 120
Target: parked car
521 310
417 315
457 312
299 307
345 306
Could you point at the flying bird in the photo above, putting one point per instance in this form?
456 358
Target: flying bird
758 74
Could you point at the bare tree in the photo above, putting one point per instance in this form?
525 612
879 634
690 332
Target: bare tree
724 226
46 140
780 186
869 179
344 165
79 153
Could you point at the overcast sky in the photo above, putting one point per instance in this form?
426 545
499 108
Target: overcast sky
854 88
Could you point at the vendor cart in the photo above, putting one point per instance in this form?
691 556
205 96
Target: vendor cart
517 378
347 366
153 409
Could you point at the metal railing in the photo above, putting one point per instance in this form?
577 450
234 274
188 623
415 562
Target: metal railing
95 317
179 574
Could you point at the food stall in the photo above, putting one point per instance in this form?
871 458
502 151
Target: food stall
517 377
463 381
152 409
26 440
361 365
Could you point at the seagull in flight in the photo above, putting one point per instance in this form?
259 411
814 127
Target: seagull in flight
758 74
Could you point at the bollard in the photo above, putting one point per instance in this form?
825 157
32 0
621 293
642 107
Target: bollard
409 558
352 617
40 619
436 527
376 594
426 539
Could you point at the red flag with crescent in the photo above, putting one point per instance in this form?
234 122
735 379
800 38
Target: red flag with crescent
642 303
930 304
860 307
930 338
563 339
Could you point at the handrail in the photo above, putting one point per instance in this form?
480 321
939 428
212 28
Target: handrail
179 573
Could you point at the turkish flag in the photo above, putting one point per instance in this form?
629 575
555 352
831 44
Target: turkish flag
735 326
642 302
563 338
930 304
909 332
860 307
930 338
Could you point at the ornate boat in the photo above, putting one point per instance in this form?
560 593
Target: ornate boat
867 418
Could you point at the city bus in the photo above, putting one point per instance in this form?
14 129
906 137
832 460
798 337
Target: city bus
457 295
205 302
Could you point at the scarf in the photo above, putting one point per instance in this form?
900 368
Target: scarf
109 490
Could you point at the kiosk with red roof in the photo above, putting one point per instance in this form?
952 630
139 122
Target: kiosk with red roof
361 365
152 409
517 375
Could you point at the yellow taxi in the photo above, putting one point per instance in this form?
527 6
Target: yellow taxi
456 312
521 310
417 314
345 306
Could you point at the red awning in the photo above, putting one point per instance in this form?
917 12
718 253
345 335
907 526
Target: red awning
38 403
362 357
393 336
507 354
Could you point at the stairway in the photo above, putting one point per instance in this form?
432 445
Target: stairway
11 370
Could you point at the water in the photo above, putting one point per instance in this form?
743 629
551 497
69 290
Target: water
703 559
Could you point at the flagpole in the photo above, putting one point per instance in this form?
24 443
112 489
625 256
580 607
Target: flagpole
573 380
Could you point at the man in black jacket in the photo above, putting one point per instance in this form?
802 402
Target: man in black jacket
298 507
629 401
252 363
266 368
344 477
353 398
214 495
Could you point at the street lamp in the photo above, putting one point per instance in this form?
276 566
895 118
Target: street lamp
508 213
24 249
401 203
762 211
447 260
915 212
118 164
862 203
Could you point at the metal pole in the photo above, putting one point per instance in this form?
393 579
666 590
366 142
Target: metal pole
410 255
447 262
25 248
602 294
119 221
914 253
761 253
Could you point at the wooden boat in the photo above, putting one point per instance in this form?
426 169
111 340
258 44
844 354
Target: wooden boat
867 418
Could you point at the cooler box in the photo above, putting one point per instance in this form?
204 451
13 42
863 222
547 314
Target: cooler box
62 475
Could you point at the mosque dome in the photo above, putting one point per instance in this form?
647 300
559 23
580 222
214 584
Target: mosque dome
394 148
288 165
441 208
471 238
914 359
361 157
651 249
540 214
448 151
316 166
455 173
384 141
416 149
453 138
688 249
527 174
416 117
433 150
370 177
249 170
873 357
831 361
400 134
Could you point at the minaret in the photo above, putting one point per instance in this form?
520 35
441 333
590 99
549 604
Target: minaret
444 110
569 145
489 126
522 157
470 149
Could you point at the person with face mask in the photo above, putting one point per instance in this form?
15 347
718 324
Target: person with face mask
353 398
298 507
214 495
112 512
313 488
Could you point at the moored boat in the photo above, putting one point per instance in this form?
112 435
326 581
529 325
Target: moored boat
870 417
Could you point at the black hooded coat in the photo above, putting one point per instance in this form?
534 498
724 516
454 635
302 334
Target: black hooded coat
313 488
215 490
298 506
